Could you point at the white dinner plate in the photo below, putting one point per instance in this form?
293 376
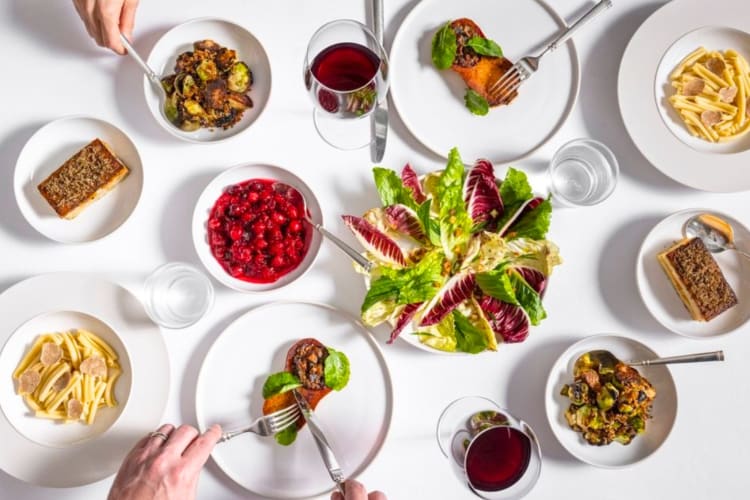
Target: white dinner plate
614 455
48 149
431 102
656 49
227 34
659 295
356 419
206 203
46 453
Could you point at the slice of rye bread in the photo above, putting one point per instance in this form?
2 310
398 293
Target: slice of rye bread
85 177
698 279
479 72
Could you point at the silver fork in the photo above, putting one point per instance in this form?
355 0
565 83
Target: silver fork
505 87
267 425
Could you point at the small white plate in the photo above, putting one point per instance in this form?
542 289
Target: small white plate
41 452
207 200
431 102
614 455
356 419
47 150
227 34
659 295
658 46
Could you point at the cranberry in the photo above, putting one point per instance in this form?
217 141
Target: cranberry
277 248
292 212
295 226
276 235
247 217
236 270
259 228
253 196
278 261
260 244
279 218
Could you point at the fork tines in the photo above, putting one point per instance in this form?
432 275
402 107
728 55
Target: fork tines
504 89
281 419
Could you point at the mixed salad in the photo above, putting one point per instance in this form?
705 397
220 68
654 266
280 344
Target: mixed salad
459 256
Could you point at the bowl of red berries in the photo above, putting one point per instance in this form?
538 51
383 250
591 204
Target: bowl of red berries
251 227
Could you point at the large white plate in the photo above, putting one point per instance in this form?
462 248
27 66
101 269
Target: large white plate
229 386
55 455
227 34
49 148
613 455
660 296
657 47
431 102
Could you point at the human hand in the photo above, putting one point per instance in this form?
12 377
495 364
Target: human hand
105 19
165 469
356 491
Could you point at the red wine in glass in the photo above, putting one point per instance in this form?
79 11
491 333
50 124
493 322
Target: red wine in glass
345 66
497 458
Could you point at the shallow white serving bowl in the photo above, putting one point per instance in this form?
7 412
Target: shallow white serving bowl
236 175
227 34
47 150
614 455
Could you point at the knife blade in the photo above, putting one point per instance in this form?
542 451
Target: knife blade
334 469
379 117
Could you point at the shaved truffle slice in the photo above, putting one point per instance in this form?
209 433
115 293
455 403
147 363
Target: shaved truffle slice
94 366
715 65
74 409
710 118
693 87
28 382
61 382
51 353
727 94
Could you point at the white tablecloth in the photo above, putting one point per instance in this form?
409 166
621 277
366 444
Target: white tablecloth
52 69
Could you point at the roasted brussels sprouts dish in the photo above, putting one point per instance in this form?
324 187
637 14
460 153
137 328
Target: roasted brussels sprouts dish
609 400
208 89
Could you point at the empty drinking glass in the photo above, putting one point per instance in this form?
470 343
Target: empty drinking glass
177 295
583 173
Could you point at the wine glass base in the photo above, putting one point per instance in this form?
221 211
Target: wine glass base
346 134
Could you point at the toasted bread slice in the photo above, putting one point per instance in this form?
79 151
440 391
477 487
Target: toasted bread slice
479 72
84 178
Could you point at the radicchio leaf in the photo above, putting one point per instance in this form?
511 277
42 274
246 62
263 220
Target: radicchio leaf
375 241
509 322
484 203
411 182
403 319
482 169
405 220
534 278
456 290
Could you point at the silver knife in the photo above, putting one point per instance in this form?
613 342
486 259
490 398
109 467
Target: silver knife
379 118
334 469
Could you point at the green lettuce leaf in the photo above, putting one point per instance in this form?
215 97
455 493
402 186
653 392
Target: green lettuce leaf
485 46
528 298
497 283
542 255
469 338
444 46
278 383
534 224
515 188
391 188
441 336
430 225
381 312
287 436
475 103
455 223
336 369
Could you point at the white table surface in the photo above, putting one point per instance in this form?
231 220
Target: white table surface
51 69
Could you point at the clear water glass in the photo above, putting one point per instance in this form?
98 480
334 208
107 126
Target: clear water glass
177 295
583 172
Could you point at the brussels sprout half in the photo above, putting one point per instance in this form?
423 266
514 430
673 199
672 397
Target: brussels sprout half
240 78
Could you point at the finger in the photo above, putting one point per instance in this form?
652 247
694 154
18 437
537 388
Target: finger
82 14
354 490
155 441
337 496
127 18
109 24
376 495
92 23
197 453
180 439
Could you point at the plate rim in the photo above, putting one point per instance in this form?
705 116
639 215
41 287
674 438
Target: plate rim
372 341
570 106
18 189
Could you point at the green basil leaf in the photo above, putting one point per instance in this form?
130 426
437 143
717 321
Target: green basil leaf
485 46
278 383
336 369
287 436
469 338
444 46
477 104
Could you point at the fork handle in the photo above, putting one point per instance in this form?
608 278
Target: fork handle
688 358
588 16
230 434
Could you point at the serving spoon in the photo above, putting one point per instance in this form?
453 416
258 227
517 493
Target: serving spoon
606 358
716 233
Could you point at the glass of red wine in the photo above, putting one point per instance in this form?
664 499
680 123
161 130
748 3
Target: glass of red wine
494 453
346 74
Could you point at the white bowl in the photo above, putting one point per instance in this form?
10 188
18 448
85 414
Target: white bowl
207 200
614 455
227 34
48 149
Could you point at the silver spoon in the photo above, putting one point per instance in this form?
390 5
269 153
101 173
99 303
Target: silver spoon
606 358
348 250
716 233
